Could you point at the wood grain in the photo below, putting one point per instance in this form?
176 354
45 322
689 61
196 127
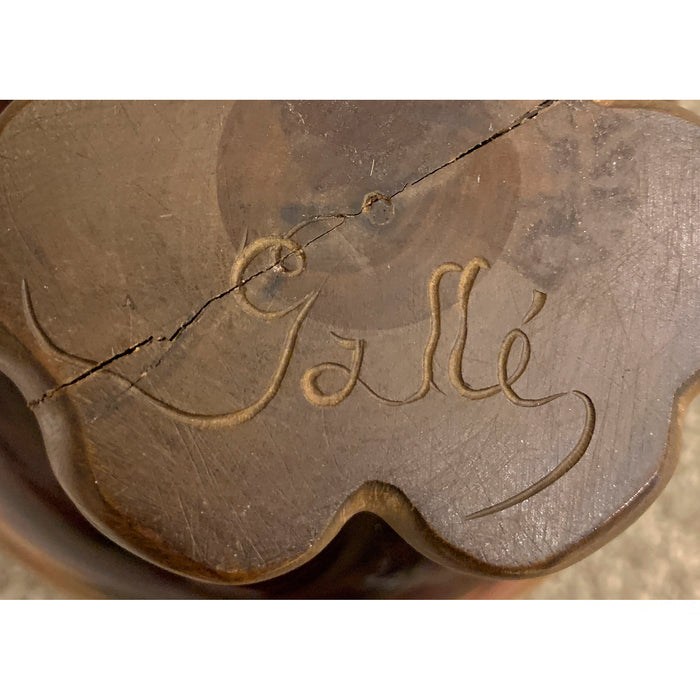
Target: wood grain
239 325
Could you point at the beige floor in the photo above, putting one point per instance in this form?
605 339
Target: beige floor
657 557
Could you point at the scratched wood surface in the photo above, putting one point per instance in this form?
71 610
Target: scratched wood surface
240 324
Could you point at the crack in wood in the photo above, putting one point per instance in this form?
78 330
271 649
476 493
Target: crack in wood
193 318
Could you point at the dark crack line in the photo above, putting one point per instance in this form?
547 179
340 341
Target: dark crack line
497 135
176 334
265 270
531 114
194 317
95 368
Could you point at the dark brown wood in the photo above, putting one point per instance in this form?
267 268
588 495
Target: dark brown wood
240 325
43 528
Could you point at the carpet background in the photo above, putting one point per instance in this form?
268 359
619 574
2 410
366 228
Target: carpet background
657 557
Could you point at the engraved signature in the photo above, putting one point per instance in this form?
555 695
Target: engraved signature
282 248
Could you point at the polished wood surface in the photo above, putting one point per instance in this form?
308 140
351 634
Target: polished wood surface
240 326
42 527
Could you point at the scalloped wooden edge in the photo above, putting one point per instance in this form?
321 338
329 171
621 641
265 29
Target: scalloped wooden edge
384 500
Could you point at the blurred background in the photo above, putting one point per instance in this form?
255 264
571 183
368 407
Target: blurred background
657 557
